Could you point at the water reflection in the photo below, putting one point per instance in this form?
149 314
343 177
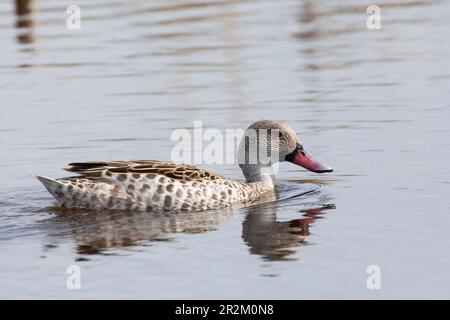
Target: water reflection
100 232
25 20
277 240
103 232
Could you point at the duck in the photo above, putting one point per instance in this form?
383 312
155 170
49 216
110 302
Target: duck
157 185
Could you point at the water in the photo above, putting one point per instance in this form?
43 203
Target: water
372 104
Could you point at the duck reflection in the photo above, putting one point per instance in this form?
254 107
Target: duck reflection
103 232
24 13
277 240
100 233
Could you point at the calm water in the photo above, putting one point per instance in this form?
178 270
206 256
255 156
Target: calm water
372 104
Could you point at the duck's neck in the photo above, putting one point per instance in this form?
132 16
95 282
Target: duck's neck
258 173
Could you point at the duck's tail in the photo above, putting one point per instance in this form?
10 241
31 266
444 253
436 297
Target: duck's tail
53 186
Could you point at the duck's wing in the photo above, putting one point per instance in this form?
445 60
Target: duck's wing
181 172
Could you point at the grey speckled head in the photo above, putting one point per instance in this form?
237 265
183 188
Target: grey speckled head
265 142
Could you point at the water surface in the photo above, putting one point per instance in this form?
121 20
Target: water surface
372 104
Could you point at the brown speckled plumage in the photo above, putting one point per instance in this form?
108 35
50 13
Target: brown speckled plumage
147 185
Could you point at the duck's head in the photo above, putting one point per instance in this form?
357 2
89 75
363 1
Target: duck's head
280 142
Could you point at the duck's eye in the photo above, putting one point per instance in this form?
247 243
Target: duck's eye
280 134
